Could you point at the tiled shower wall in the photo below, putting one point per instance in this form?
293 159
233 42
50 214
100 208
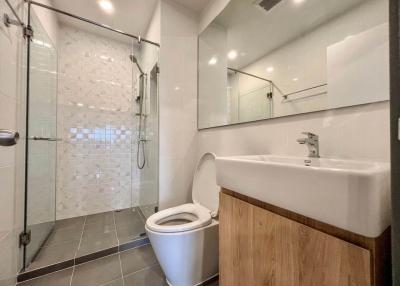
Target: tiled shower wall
12 106
96 123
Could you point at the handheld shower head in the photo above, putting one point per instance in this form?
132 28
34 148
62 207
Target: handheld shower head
135 61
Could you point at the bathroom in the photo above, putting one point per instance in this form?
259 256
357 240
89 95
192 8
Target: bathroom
199 142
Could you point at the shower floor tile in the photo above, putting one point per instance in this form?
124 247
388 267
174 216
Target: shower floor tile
82 236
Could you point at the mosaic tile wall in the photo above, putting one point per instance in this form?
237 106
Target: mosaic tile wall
97 124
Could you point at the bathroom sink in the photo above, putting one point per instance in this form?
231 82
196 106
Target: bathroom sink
351 195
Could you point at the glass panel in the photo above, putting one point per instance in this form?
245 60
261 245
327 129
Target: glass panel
317 55
146 144
41 180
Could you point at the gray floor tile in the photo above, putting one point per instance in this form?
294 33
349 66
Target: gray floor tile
147 277
93 243
148 210
137 259
129 225
60 278
96 228
70 222
118 282
65 234
127 214
100 271
55 253
106 218
130 233
127 220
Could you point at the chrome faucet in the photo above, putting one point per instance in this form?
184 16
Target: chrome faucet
312 143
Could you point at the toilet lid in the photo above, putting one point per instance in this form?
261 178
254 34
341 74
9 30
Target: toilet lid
205 190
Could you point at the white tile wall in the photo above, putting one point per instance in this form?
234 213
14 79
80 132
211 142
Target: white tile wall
178 103
11 158
360 133
96 123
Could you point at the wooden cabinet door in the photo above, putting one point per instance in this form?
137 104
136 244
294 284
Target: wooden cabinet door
258 247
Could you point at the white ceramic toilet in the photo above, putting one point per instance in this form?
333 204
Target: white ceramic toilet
185 238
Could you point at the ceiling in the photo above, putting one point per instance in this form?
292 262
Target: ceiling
254 32
131 16
195 5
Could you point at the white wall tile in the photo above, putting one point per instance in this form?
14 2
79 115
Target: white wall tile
11 172
97 124
178 97
360 133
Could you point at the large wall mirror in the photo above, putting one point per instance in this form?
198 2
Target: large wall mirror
270 58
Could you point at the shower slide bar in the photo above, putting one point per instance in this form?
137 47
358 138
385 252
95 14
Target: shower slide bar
139 38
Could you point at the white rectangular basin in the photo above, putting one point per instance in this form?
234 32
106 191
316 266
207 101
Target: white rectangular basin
351 195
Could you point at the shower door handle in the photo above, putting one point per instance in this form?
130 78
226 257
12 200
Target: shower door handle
8 137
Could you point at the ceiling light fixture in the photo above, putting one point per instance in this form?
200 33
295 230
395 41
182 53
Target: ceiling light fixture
106 6
232 55
298 1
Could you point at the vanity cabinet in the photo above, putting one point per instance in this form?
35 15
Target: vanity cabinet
258 246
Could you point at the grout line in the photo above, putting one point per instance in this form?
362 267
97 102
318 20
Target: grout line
120 267
72 275
76 253
119 256
80 240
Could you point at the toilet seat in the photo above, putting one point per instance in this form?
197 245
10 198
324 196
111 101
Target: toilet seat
201 214
205 196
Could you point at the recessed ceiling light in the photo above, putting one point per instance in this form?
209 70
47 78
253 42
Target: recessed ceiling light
298 1
270 69
212 61
106 6
295 79
232 55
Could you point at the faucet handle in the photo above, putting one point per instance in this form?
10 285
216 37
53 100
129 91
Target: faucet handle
310 135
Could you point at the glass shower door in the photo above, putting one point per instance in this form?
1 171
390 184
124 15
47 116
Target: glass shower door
42 143
148 196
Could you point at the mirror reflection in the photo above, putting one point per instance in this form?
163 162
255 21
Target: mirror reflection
264 59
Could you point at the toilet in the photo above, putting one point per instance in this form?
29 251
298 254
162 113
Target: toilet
185 238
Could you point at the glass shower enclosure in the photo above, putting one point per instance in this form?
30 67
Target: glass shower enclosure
49 134
40 197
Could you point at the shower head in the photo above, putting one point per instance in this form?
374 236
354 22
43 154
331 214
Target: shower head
135 61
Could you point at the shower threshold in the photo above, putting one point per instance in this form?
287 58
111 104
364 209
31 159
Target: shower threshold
81 239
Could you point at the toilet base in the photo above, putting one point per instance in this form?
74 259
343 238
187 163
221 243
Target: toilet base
201 283
187 258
